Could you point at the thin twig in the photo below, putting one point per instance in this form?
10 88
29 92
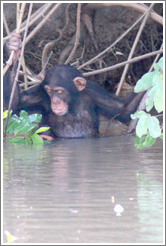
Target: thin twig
23 60
77 38
38 27
20 17
29 83
18 13
133 49
135 59
24 71
19 63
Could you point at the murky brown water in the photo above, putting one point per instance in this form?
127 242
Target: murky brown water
66 192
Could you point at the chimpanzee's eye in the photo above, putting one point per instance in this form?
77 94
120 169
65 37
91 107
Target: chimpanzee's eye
60 91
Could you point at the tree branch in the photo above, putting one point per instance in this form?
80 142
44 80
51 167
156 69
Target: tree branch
77 38
135 59
139 7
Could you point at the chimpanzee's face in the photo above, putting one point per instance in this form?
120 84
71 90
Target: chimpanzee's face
62 83
60 99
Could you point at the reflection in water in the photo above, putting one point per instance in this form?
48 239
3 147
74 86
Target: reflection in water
66 192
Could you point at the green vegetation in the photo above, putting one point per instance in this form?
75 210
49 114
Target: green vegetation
24 128
148 127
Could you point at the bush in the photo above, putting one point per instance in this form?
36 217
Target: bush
148 128
24 128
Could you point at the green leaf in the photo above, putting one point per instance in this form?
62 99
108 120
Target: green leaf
13 124
142 125
139 142
19 129
28 140
11 127
35 118
150 99
5 114
42 129
158 99
25 129
155 98
137 114
36 139
157 79
159 66
156 67
160 63
17 140
23 114
161 136
154 127
31 132
145 82
149 141
145 141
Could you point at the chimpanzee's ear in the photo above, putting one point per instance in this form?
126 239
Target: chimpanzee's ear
80 83
47 89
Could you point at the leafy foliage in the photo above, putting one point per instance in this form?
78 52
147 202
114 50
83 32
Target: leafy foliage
23 128
148 126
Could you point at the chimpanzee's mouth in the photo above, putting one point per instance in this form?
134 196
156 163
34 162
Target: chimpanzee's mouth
60 111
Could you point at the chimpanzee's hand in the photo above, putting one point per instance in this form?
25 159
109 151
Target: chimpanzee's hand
14 43
46 137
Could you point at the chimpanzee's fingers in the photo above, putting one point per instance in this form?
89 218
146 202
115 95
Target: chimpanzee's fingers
14 42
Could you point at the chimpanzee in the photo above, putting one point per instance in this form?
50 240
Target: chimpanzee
70 104
75 103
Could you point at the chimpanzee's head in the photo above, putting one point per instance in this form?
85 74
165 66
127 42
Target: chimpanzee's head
61 83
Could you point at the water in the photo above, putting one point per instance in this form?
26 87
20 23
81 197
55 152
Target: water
66 192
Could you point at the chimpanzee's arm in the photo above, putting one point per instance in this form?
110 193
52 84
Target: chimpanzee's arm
34 99
7 88
107 104
131 104
13 44
111 105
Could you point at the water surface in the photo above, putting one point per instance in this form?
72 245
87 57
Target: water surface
66 192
